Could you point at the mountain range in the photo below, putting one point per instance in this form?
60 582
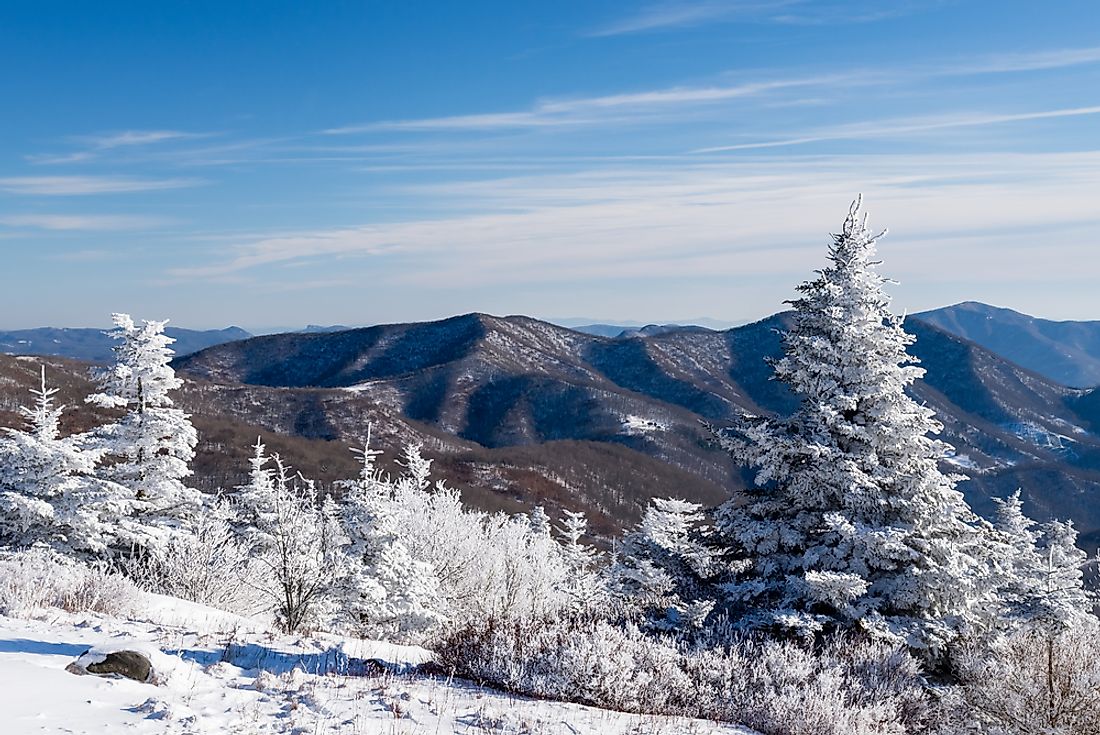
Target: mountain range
518 412
503 383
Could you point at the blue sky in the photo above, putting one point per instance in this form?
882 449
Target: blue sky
273 164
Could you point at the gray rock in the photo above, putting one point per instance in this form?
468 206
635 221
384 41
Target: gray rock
129 664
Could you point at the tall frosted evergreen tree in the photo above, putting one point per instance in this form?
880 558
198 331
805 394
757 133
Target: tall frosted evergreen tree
851 523
154 442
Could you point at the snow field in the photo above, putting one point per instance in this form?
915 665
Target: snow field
224 674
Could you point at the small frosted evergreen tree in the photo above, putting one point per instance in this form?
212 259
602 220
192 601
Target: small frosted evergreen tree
49 494
539 521
153 443
418 470
389 594
1061 600
851 523
1019 562
668 567
1047 607
584 586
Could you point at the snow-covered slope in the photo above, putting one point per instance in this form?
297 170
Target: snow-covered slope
227 676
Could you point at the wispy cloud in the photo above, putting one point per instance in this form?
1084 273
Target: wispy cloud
654 106
140 137
95 146
692 13
82 222
899 127
687 14
84 256
587 110
83 185
1035 60
700 220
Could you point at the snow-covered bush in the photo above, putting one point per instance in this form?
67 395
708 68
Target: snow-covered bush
575 658
39 578
211 565
297 541
1034 683
486 564
845 687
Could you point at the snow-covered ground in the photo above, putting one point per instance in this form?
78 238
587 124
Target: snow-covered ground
224 674
639 425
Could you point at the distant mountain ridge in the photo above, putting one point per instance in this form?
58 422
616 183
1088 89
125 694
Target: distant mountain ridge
504 383
1065 351
619 331
94 345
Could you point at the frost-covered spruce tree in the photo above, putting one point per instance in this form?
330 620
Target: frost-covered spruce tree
389 594
153 443
418 469
539 521
1021 565
667 567
49 494
851 523
584 585
1041 583
1061 600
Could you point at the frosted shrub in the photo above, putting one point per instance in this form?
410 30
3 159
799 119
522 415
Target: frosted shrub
1035 683
486 565
297 541
847 687
36 579
209 565
579 659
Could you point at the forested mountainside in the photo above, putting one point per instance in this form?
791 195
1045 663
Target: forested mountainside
482 383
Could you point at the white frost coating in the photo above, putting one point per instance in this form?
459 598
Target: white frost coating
964 461
1040 436
640 425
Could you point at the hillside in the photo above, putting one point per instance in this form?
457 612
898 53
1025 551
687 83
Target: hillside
313 429
1067 352
513 382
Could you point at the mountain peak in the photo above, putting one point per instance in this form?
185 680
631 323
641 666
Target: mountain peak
1065 351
